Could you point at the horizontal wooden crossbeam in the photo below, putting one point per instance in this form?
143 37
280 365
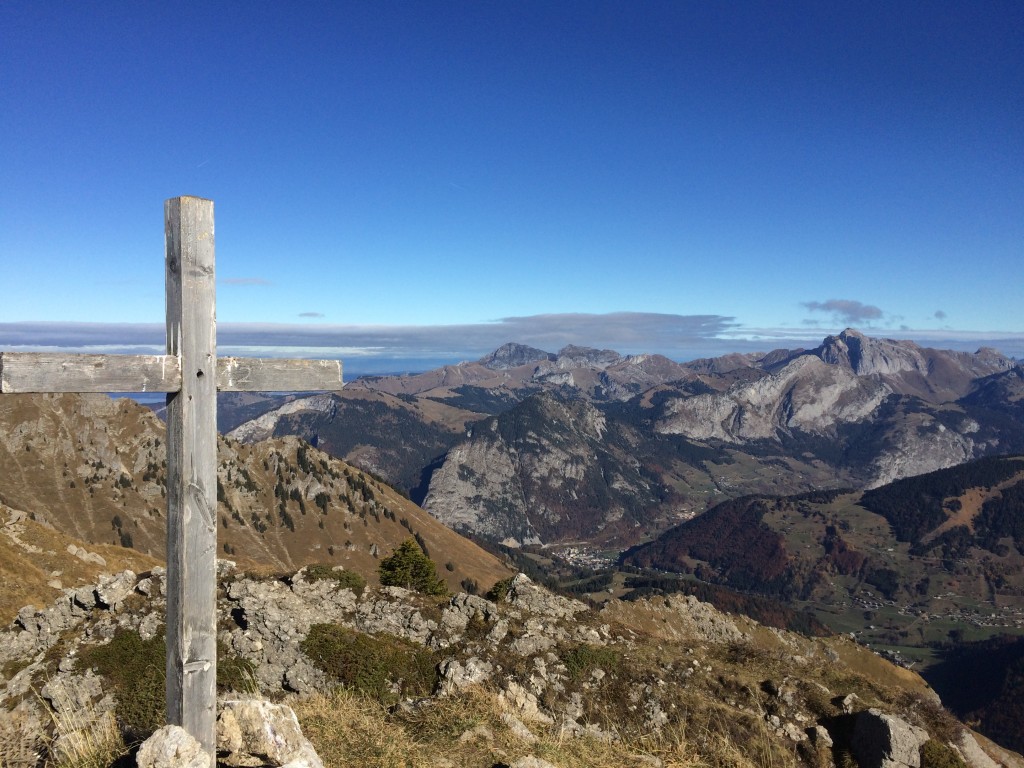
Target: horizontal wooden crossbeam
24 372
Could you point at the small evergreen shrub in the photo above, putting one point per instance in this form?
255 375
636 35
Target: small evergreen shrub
410 568
499 591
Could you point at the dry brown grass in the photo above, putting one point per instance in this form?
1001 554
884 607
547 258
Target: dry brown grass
30 555
20 739
82 738
468 730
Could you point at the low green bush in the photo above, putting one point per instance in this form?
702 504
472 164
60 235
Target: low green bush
584 659
380 666
935 754
136 670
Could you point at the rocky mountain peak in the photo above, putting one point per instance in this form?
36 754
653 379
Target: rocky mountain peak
866 356
572 356
513 355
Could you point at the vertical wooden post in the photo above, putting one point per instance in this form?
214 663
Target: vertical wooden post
192 470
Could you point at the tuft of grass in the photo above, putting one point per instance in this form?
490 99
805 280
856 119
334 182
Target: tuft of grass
82 738
467 729
20 738
346 579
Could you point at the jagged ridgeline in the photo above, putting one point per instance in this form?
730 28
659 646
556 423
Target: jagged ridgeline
526 446
95 468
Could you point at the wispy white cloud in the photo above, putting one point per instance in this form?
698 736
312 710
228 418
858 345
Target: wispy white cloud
315 315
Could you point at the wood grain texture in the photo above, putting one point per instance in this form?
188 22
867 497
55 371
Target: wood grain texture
192 470
22 372
251 374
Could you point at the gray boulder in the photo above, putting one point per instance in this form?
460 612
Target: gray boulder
172 747
258 733
885 741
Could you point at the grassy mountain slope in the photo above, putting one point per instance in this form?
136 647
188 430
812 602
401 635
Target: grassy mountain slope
93 469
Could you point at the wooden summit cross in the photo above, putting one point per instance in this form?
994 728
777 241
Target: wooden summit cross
191 375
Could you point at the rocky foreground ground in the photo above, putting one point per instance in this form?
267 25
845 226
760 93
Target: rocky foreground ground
521 676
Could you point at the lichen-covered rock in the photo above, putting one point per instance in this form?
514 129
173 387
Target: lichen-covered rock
255 732
456 675
111 590
538 601
973 754
172 747
531 762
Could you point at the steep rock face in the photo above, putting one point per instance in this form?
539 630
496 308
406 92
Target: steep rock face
865 356
546 470
514 355
931 374
807 394
263 426
572 356
886 406
477 489
920 446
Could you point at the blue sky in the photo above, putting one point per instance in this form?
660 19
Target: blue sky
399 182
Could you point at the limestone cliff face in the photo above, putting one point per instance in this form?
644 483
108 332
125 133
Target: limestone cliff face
845 379
922 445
807 394
865 356
547 470
262 427
477 489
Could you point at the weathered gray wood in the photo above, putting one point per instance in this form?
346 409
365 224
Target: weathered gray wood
251 374
192 470
23 372
191 374
55 372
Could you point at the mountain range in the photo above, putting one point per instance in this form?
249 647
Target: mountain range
529 447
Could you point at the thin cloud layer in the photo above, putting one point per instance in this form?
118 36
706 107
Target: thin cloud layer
623 331
680 337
